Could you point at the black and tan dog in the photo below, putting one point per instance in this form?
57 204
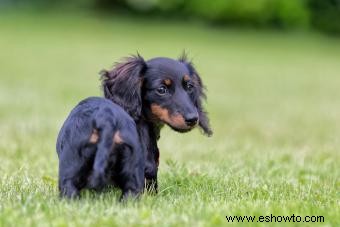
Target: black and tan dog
157 92
99 145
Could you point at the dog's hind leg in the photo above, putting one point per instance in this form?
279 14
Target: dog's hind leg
74 169
68 189
129 170
69 177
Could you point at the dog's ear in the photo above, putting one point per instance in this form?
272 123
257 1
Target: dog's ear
199 95
123 84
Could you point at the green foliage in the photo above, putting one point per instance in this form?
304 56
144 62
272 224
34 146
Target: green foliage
258 12
288 13
322 14
325 15
232 11
283 13
51 4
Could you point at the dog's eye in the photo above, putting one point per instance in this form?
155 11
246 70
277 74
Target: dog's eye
189 87
162 90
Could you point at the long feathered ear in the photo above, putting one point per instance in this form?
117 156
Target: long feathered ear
200 95
123 84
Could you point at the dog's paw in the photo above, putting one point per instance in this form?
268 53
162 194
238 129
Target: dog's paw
129 195
69 193
97 181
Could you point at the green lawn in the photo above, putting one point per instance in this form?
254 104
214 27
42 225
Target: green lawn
273 99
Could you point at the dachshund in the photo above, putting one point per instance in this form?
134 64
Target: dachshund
99 145
154 93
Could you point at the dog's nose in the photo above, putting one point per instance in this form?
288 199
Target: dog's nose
191 119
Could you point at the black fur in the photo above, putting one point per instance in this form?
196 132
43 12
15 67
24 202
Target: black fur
99 145
157 92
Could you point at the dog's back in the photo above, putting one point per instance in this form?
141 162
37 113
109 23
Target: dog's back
82 124
99 141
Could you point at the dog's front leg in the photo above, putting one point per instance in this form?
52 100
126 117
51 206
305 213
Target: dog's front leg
151 170
148 136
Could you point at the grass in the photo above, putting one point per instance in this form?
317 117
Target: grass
273 100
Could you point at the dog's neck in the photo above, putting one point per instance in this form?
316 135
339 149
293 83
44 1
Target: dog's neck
151 128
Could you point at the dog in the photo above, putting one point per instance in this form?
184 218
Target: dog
157 92
99 145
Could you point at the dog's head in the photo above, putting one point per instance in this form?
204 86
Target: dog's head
163 90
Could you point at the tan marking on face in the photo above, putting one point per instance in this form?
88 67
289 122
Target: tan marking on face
175 120
117 139
94 136
167 82
160 112
186 78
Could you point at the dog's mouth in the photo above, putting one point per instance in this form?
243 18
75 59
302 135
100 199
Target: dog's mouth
179 125
181 129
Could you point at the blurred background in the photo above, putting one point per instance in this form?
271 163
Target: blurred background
323 15
272 72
